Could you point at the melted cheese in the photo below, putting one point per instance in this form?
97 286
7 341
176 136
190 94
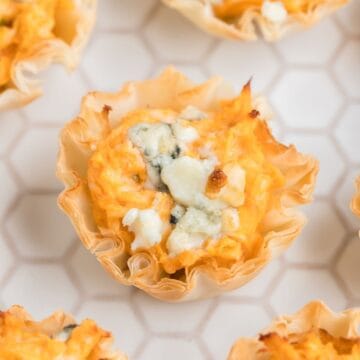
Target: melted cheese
196 226
25 24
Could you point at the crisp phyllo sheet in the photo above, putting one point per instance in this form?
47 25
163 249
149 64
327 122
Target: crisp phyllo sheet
34 34
180 189
313 333
57 337
355 204
241 19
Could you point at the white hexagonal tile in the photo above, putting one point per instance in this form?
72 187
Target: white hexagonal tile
238 62
174 349
62 94
41 289
124 14
11 123
348 266
8 189
321 237
348 131
306 99
258 286
276 128
331 163
174 38
38 228
230 321
344 194
319 41
107 67
6 258
299 286
184 317
349 17
345 68
94 278
119 318
34 158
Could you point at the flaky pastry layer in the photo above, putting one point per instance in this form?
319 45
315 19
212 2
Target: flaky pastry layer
61 40
314 332
102 112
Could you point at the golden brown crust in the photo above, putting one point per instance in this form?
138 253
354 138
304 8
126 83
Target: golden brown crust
25 88
244 28
171 90
315 315
55 323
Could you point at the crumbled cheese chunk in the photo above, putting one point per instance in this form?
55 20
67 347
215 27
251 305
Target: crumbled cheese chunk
230 220
186 177
147 226
233 193
65 333
153 139
180 241
274 11
183 134
192 113
193 229
176 213
160 144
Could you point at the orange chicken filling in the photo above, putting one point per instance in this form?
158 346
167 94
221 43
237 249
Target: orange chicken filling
25 340
25 24
237 138
312 345
227 9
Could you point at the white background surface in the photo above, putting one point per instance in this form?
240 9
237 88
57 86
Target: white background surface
313 82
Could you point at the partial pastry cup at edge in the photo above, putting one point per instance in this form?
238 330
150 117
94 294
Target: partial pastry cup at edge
313 316
26 87
171 90
245 27
355 204
98 341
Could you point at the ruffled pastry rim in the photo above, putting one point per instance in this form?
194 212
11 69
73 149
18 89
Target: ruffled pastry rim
355 203
313 315
56 322
140 270
26 87
200 12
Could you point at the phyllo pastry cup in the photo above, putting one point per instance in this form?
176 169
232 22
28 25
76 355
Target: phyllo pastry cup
241 19
56 337
34 34
314 332
355 204
180 189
